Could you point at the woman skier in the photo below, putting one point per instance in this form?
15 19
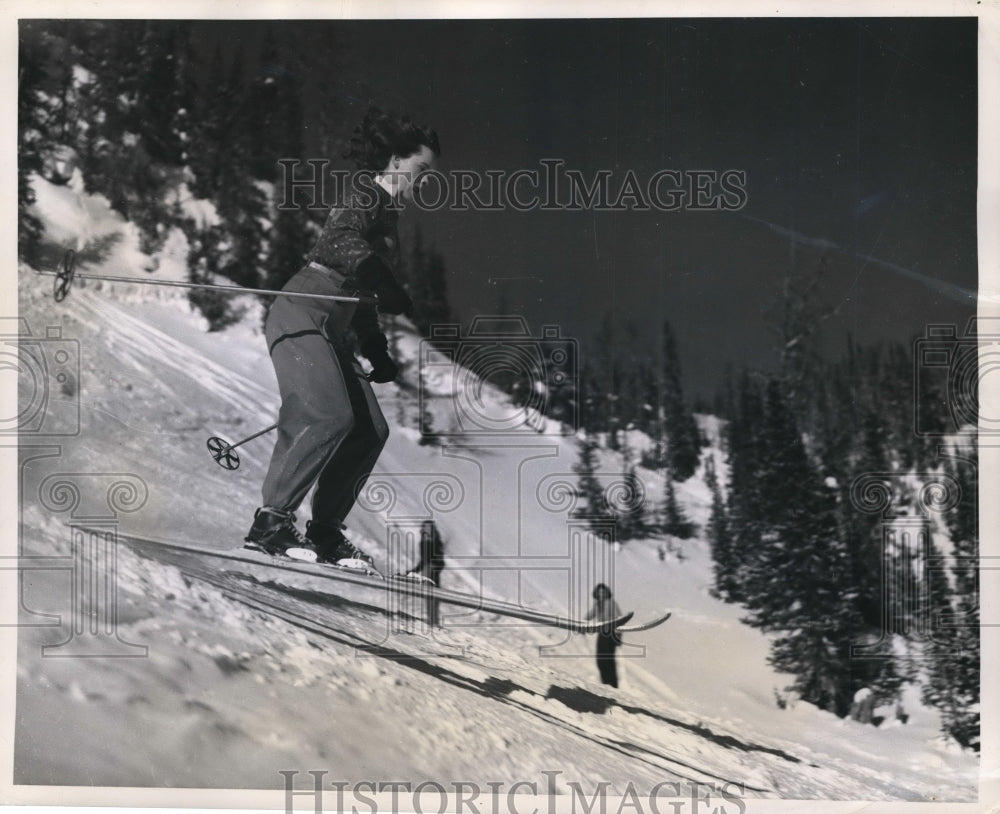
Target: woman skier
330 428
605 609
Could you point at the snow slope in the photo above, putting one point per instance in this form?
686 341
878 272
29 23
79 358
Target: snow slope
241 680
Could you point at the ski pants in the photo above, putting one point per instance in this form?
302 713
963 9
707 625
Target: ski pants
331 430
607 643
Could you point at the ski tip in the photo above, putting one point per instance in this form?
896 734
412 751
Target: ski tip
352 564
659 620
301 554
419 579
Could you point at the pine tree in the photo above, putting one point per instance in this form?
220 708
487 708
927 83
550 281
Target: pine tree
161 88
746 451
588 397
796 319
239 247
783 505
110 99
291 233
649 419
634 370
896 403
606 379
834 412
214 121
588 486
864 529
954 680
684 441
800 586
32 136
630 516
289 244
203 264
427 279
674 521
720 538
269 96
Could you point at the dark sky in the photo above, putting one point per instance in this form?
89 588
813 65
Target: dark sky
858 138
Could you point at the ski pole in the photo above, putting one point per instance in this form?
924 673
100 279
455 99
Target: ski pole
223 452
64 281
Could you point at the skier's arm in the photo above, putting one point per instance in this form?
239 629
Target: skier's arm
343 246
374 274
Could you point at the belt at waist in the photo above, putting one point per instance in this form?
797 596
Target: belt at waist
320 267
348 283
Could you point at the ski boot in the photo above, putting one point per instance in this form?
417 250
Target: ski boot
333 548
273 532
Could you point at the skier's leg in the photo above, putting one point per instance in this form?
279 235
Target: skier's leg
314 420
606 659
315 412
351 463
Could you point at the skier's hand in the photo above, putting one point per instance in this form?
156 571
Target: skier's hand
375 348
383 369
393 299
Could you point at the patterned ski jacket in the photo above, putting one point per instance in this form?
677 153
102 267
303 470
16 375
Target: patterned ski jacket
363 225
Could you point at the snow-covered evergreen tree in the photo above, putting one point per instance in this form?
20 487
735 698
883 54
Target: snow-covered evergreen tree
588 486
32 143
954 680
684 441
800 586
865 529
745 450
675 523
720 538
630 515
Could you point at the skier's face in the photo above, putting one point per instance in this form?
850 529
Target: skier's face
405 171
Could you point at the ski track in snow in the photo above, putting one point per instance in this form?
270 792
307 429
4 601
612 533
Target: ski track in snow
137 342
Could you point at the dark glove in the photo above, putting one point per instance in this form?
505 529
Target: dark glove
374 274
383 369
375 348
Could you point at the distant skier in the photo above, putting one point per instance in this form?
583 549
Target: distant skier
330 428
430 566
606 609
431 562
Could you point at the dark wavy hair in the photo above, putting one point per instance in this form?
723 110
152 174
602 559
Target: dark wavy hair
382 135
601 588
